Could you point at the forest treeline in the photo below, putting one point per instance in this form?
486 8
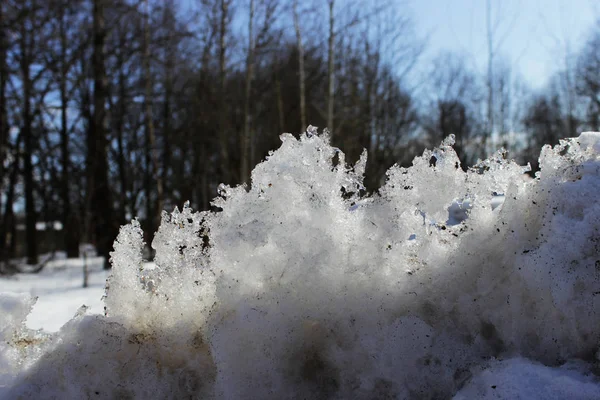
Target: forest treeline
111 109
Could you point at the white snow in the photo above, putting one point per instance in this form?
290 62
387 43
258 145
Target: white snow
521 379
294 290
59 291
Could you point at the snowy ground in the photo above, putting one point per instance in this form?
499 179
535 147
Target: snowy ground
60 292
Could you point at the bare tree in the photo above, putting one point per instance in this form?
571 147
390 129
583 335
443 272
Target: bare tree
391 50
330 68
301 71
3 82
101 208
65 57
260 38
153 176
490 71
30 29
588 78
244 172
279 94
202 99
142 116
8 218
497 30
120 111
544 125
172 39
225 9
564 82
453 98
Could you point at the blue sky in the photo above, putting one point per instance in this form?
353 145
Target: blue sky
534 35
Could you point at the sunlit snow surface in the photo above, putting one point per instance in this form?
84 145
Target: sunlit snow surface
301 287
60 292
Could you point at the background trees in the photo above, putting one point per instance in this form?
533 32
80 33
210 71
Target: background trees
587 77
451 106
111 109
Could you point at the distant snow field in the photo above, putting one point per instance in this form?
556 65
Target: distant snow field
59 291
444 284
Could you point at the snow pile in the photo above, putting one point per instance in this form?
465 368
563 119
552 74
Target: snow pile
519 379
303 287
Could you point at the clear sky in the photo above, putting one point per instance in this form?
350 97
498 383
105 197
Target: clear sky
534 35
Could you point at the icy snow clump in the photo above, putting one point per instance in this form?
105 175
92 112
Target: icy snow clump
302 286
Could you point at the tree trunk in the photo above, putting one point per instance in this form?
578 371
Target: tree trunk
70 223
205 183
27 132
490 73
3 123
120 122
3 80
246 139
224 150
85 102
150 133
8 218
330 70
280 112
301 72
167 131
100 200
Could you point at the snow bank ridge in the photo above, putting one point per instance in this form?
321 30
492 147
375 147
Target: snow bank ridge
302 286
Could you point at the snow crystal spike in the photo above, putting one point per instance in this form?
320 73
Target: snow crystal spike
449 141
284 137
312 131
222 190
81 311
